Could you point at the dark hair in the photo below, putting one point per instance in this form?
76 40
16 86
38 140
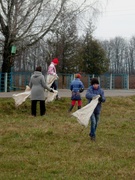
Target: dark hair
94 81
38 68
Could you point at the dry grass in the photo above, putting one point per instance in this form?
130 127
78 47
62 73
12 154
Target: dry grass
57 147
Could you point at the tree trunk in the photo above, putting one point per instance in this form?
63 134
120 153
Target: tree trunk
63 82
6 66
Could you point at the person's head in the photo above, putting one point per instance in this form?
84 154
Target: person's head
38 68
55 61
95 83
78 76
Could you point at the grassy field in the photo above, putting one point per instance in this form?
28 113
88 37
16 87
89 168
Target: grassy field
57 147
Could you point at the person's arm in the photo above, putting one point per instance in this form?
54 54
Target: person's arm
30 84
44 84
89 94
102 97
71 86
81 87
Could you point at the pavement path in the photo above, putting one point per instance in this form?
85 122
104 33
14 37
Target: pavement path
67 93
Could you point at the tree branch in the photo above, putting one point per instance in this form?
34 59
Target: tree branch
33 20
48 29
3 8
3 26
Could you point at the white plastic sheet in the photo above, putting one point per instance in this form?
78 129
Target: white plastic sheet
51 96
21 97
50 79
83 114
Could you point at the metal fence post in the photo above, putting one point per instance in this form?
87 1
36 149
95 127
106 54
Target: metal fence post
5 82
111 81
127 81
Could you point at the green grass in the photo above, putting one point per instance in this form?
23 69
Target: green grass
57 147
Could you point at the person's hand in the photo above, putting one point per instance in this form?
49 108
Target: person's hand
81 90
52 90
100 99
57 76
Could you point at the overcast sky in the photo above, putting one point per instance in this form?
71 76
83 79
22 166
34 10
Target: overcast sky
118 19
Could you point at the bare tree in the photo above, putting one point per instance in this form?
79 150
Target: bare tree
23 23
32 57
131 56
117 51
121 54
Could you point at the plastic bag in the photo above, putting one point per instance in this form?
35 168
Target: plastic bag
21 97
83 115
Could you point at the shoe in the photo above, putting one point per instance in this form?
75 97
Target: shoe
70 109
93 138
32 116
57 97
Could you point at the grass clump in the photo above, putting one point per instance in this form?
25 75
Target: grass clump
58 147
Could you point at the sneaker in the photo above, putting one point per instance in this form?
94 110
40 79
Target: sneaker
57 97
92 138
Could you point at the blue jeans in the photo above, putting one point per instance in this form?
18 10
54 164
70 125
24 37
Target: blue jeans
94 122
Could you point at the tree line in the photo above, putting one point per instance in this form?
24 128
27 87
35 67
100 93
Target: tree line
40 30
121 54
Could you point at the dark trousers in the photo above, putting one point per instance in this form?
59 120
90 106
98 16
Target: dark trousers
34 107
54 86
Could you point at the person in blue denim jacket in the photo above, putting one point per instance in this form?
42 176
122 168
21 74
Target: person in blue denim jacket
76 87
93 91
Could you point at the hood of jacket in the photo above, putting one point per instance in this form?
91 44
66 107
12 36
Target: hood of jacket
37 74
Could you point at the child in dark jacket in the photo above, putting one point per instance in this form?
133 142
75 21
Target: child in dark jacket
76 87
93 91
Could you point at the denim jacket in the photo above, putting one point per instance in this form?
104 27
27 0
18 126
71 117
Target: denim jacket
91 92
75 87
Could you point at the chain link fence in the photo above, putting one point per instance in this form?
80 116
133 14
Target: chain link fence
15 81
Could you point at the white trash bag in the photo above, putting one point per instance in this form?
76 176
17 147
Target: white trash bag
21 97
50 79
83 114
51 96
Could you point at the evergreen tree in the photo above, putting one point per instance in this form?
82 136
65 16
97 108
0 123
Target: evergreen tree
94 60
